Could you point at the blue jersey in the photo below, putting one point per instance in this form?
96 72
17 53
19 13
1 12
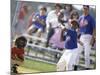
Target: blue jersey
37 24
70 38
87 24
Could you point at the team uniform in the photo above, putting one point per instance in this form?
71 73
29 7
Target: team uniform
39 25
36 25
68 59
86 24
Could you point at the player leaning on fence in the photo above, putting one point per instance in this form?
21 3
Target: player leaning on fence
38 22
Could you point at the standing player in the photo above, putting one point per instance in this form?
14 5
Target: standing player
87 30
68 59
17 53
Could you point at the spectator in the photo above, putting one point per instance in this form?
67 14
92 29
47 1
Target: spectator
20 26
55 39
52 22
68 9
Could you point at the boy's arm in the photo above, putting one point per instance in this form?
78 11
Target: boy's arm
62 34
41 21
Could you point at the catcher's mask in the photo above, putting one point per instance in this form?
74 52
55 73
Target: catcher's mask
21 42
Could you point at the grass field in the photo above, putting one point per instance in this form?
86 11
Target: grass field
31 66
26 70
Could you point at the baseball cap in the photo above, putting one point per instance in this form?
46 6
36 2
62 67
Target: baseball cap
86 6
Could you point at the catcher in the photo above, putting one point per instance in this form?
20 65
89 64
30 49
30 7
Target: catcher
17 53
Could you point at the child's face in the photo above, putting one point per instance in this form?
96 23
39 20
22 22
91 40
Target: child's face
42 12
21 44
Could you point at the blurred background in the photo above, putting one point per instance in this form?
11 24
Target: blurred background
38 58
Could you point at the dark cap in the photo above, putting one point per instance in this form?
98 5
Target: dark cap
85 6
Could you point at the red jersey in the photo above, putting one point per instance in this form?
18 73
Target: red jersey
17 52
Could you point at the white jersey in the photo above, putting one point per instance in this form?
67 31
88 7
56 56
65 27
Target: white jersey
52 19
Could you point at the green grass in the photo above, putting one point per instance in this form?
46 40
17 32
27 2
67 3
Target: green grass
26 70
40 66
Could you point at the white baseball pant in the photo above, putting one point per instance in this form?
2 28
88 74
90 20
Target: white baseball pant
85 39
67 60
